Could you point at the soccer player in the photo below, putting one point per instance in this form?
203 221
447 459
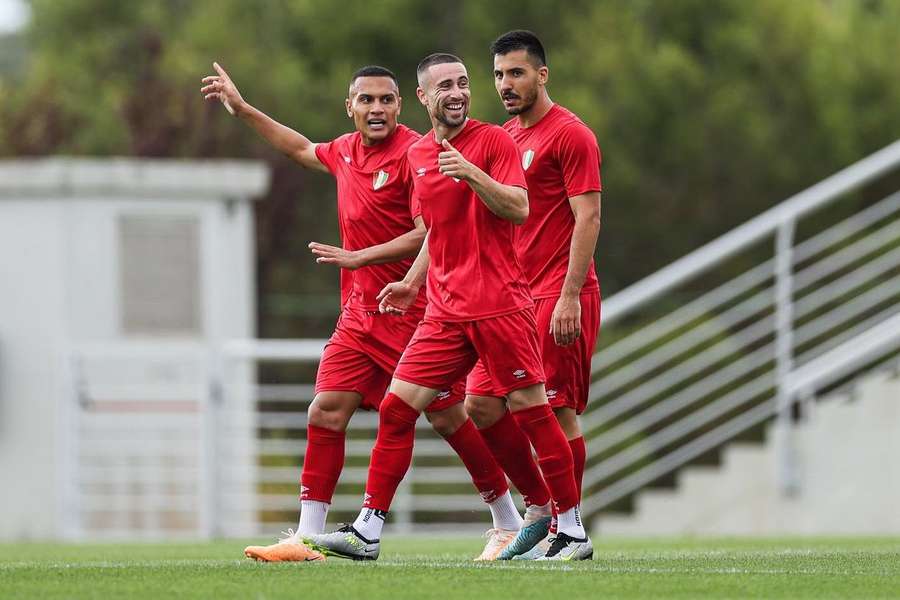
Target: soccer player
469 183
556 248
380 235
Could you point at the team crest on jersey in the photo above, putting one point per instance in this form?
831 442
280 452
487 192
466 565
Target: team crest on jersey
379 179
527 158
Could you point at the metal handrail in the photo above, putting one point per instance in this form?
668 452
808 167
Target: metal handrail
734 370
743 282
806 380
696 364
715 252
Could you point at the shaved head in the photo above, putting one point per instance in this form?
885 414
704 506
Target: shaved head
438 58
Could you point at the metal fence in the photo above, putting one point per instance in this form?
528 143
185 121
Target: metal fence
173 439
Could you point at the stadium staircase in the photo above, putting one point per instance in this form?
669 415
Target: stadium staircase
740 334
728 345
845 477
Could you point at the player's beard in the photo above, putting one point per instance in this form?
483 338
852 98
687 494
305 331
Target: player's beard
441 115
525 102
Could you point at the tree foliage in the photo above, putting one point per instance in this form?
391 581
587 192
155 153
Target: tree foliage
706 112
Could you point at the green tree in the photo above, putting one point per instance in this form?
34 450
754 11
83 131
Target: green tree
706 112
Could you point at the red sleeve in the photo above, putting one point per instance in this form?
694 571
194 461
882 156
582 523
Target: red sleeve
503 161
415 204
579 159
328 155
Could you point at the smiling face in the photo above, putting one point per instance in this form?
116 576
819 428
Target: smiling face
518 80
374 105
444 91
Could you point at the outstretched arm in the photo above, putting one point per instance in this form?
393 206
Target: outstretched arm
402 246
282 138
506 201
396 297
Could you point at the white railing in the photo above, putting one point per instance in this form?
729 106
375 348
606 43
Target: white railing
802 385
682 382
170 439
177 439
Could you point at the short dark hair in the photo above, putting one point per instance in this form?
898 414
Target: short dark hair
520 39
438 58
373 71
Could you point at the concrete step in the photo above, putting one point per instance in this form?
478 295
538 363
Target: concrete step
848 464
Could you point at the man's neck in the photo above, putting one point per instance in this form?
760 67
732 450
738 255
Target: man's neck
369 142
538 110
444 132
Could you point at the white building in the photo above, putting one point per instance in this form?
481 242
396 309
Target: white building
99 258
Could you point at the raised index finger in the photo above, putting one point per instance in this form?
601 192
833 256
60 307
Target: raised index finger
219 69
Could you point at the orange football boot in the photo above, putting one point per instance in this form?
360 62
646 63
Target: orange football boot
287 549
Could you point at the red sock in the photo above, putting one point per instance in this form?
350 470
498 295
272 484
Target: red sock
486 474
322 463
511 448
579 456
554 455
392 453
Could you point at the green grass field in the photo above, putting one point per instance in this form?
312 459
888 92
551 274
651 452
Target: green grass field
440 568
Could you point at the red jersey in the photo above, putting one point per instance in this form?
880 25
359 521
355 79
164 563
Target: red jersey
474 272
561 160
373 196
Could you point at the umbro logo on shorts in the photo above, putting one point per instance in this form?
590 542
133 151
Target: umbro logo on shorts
552 393
443 394
519 373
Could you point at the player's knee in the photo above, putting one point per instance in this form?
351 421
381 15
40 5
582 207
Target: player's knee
528 397
446 422
485 411
329 414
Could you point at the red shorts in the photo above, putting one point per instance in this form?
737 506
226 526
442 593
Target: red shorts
363 352
441 352
568 368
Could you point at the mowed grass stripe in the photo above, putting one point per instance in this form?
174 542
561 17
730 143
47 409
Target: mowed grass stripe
442 569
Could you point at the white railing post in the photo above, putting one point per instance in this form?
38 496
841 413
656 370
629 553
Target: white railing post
784 356
69 511
403 505
210 514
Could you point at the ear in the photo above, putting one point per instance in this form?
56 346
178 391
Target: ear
399 104
349 110
543 75
423 98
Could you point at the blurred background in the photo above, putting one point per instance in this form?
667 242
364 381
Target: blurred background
146 273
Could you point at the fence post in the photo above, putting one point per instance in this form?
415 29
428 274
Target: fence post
69 511
784 360
210 517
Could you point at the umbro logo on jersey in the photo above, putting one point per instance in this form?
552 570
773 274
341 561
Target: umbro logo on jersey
527 159
379 179
519 373
346 159
455 180
421 171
